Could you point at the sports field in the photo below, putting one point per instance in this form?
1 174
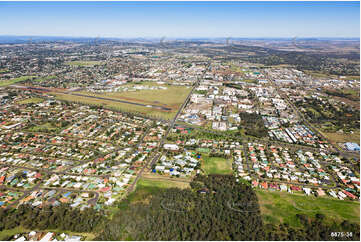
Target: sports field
216 165
278 207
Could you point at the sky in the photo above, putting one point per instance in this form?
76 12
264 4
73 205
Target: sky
181 19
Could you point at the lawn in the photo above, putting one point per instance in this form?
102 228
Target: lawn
279 207
216 165
84 63
31 100
15 80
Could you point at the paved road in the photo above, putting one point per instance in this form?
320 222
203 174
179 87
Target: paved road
120 101
90 201
171 125
26 193
300 114
282 182
131 187
206 130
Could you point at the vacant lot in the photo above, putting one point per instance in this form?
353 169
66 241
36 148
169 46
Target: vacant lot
342 138
15 80
279 207
149 182
84 63
216 165
149 186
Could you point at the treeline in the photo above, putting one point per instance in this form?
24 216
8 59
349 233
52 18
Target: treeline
325 63
253 124
216 208
341 94
344 117
60 217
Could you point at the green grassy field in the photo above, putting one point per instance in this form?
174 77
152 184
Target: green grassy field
216 165
84 63
31 100
43 128
277 207
15 80
155 182
147 187
5 234
354 93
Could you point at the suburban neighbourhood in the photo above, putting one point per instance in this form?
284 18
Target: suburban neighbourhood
175 136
